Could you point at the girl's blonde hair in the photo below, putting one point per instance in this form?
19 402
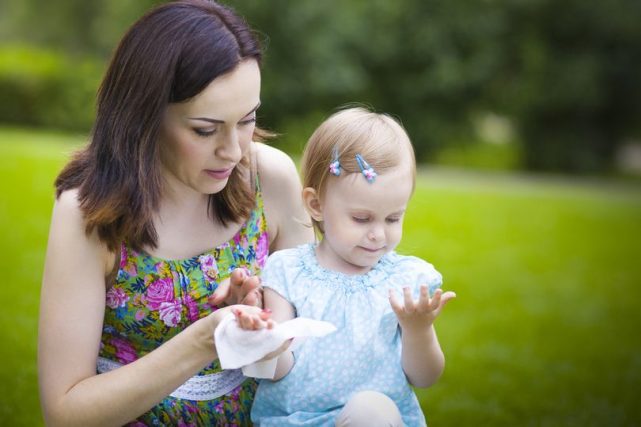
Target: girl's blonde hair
378 138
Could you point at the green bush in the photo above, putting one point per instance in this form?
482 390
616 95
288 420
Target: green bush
44 88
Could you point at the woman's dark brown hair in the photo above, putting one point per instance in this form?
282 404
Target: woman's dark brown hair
169 55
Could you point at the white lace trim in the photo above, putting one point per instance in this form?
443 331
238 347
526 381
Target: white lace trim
198 387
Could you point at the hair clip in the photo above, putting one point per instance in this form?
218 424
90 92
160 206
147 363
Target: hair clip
335 165
367 170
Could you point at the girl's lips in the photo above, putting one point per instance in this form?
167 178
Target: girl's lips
219 173
371 250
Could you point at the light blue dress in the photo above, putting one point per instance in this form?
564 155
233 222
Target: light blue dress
363 354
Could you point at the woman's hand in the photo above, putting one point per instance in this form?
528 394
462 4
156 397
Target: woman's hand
419 315
238 289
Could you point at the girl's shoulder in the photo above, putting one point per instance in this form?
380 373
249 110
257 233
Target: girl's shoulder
413 269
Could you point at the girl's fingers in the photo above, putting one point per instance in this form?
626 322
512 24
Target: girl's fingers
424 299
394 302
447 296
410 307
436 299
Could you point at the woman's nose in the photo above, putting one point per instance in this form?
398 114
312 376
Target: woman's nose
230 148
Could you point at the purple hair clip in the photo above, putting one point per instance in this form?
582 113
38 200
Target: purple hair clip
335 165
367 171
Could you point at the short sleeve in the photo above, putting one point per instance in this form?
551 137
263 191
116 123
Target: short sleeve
274 274
415 272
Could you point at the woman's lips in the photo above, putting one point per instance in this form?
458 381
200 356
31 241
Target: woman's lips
219 173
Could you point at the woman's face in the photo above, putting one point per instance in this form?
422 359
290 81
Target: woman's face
203 139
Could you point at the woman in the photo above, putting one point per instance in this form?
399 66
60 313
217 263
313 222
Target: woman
171 195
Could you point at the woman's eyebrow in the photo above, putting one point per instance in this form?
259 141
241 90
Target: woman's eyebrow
216 121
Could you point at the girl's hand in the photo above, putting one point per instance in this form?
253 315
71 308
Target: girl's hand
238 289
253 321
259 320
419 315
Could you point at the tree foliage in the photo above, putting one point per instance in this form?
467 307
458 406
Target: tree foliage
564 73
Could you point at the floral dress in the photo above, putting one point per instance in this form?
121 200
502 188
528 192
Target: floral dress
154 299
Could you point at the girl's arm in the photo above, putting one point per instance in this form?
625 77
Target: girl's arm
70 327
282 311
422 357
288 222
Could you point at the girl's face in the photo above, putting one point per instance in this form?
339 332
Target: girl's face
362 221
204 138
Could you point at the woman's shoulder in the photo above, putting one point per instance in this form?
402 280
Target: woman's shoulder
69 227
274 166
281 191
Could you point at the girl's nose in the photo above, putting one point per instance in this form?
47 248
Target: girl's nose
376 234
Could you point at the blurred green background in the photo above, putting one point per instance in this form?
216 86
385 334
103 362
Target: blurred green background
526 117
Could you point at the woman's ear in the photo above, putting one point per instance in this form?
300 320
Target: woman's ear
312 203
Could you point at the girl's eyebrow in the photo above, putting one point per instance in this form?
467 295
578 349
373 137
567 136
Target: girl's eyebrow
216 121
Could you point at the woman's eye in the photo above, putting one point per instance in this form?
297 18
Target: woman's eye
204 133
359 219
248 121
393 220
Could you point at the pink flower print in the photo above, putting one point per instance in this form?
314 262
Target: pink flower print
170 312
209 267
136 424
140 314
192 308
262 249
219 407
116 297
124 351
127 263
159 291
162 269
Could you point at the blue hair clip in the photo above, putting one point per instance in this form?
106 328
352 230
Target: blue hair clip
367 171
335 165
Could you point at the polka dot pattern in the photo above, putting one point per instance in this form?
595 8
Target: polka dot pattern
363 354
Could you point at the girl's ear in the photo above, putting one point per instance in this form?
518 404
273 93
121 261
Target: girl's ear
312 203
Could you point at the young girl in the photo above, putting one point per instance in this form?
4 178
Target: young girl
358 175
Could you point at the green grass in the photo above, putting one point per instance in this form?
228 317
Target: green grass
545 330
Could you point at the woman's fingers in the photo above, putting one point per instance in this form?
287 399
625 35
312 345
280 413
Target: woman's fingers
250 292
280 350
221 293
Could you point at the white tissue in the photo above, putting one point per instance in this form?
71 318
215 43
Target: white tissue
238 348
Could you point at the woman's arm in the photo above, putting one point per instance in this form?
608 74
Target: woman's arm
71 315
288 223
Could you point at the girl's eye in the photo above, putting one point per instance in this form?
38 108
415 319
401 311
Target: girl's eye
393 220
204 133
248 121
359 219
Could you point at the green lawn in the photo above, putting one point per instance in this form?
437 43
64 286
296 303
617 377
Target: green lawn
546 329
